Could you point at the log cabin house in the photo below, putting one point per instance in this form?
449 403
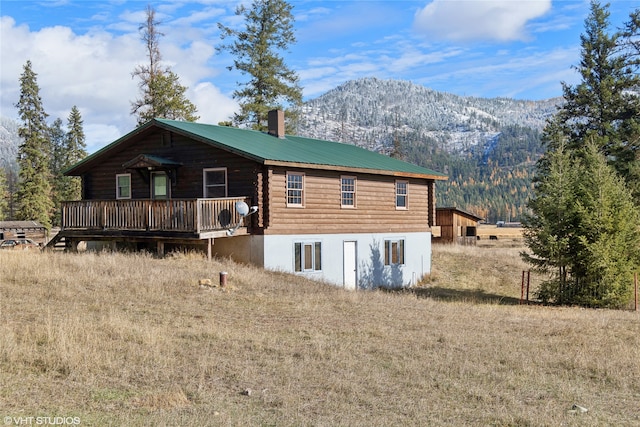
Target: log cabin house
329 210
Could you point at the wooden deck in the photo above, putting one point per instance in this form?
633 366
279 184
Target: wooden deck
190 216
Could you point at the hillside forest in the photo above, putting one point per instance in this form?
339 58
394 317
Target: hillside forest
487 147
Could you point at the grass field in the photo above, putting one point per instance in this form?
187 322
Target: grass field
502 233
115 339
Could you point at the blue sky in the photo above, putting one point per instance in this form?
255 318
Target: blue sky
84 51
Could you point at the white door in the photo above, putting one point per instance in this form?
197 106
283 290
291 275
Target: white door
350 265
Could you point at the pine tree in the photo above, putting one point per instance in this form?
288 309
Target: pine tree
583 229
74 149
162 94
68 148
4 196
170 101
608 250
272 84
56 138
584 222
630 46
34 187
547 228
604 106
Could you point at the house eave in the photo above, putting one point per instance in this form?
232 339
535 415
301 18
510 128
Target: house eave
354 170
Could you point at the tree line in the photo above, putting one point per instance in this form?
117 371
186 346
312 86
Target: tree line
492 180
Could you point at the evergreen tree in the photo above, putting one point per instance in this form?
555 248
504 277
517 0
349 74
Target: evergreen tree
68 149
34 186
56 138
603 106
75 149
4 196
162 94
548 228
584 222
630 45
272 84
608 250
583 229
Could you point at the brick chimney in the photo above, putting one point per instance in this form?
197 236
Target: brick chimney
276 123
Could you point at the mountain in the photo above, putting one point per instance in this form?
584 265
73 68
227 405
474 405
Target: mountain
9 143
487 146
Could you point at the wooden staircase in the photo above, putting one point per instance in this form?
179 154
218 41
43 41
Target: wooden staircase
58 243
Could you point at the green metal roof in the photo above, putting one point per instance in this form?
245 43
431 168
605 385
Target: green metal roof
268 149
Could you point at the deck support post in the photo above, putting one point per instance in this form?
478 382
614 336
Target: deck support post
209 248
160 246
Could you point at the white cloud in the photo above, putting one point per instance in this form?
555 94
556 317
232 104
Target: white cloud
213 106
468 20
413 58
93 72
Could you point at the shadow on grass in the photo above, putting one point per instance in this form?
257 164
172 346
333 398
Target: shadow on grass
467 295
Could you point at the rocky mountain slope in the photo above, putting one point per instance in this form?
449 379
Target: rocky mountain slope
487 147
373 112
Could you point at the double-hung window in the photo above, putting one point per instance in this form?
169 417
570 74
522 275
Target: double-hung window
123 186
394 252
295 189
215 183
402 195
307 256
348 192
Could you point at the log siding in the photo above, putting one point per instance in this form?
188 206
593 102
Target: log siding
323 213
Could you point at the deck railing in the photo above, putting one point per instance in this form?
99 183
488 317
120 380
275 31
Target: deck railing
179 215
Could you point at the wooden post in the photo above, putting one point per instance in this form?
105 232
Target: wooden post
63 216
223 279
635 282
528 282
522 288
149 214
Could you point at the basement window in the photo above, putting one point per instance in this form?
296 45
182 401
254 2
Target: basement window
307 256
394 252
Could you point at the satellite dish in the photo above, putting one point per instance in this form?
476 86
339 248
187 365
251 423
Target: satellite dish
242 208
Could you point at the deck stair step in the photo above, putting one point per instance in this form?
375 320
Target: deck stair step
59 243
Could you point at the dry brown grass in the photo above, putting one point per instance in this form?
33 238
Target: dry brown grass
130 340
510 233
490 272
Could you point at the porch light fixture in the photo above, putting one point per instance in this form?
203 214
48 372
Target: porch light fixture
244 211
